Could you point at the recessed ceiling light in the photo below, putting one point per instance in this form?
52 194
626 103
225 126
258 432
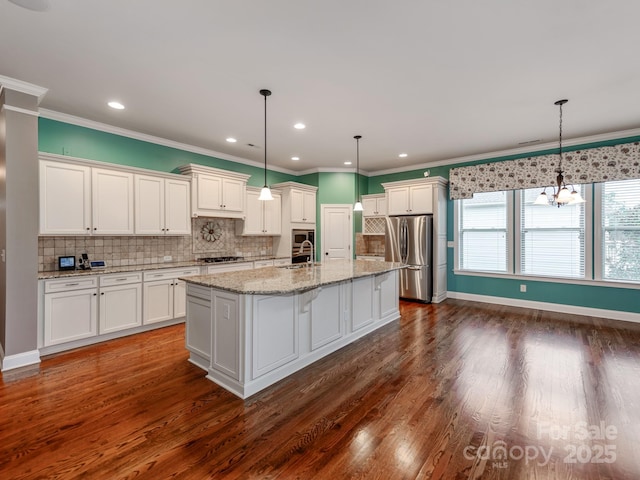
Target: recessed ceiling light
347 163
402 155
300 126
116 105
33 5
295 158
231 140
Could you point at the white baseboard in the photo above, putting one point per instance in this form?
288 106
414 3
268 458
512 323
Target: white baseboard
551 307
20 360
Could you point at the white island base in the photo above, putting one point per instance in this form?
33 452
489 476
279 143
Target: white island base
247 342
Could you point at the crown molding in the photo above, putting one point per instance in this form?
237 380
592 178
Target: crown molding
123 132
23 87
309 171
20 110
530 149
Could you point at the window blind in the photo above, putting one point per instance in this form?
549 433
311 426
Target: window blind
621 230
552 239
482 232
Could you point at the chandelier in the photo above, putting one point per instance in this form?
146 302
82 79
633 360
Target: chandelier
561 195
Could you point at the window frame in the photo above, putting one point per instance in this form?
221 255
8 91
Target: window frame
509 238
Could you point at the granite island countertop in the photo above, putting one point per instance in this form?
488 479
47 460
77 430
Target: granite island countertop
281 280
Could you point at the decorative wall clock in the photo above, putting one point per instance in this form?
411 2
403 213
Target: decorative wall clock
211 231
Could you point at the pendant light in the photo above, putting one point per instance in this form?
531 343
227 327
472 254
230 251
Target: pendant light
265 193
561 195
358 206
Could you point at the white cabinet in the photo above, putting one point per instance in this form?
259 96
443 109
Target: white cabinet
65 199
70 310
215 192
162 206
410 200
303 206
374 205
262 217
164 295
76 199
120 302
262 263
225 336
112 202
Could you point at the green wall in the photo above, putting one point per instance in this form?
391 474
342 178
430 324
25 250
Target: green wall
336 188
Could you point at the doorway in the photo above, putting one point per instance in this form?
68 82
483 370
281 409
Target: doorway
337 232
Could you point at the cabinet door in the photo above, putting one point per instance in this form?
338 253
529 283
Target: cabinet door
225 340
253 218
179 298
398 201
158 301
65 199
326 316
112 202
233 192
381 208
362 303
209 192
309 207
297 206
369 206
120 307
421 199
272 216
69 316
177 207
149 205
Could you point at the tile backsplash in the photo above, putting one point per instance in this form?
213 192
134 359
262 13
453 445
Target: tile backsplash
369 244
144 250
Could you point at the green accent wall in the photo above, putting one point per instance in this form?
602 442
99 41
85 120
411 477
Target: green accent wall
75 141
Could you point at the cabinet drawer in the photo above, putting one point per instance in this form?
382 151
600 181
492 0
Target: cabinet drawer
123 279
262 263
170 273
73 283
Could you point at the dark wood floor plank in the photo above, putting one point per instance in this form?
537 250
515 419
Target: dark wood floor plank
418 399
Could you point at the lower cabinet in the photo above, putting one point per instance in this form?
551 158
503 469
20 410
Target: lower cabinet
164 295
120 302
70 314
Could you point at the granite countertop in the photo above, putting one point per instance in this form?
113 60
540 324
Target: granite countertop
278 281
140 268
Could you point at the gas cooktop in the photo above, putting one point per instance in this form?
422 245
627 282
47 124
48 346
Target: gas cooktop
220 259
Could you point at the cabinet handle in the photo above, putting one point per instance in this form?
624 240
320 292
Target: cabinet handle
71 284
88 229
158 275
120 279
95 294
101 293
95 228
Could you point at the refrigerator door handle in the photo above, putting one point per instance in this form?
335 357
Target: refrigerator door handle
403 240
414 267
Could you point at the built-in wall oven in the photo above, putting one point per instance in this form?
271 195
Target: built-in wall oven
300 251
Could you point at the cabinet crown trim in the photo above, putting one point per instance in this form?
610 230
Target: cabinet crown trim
192 168
296 185
416 181
53 157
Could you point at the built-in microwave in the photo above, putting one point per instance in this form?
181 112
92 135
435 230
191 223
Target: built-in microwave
302 253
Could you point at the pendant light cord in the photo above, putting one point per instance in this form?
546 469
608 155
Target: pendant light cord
357 137
265 140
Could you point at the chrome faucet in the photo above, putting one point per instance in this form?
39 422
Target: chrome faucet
312 259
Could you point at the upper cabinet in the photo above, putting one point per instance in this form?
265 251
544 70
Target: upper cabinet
262 217
409 199
298 202
80 200
85 197
215 192
162 206
374 205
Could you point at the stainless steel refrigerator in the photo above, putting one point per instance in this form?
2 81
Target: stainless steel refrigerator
408 240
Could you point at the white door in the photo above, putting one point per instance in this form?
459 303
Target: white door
149 205
158 301
337 232
177 207
112 202
120 307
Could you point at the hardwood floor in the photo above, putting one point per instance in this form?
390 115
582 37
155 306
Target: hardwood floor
435 395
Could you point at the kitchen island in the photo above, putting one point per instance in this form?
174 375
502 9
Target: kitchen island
250 329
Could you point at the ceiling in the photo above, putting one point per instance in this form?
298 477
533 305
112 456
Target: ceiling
434 79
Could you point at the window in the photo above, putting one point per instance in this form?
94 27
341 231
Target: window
483 238
552 239
621 230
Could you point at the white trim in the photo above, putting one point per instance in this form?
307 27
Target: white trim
54 157
23 87
598 233
529 149
588 231
20 360
566 280
103 127
20 110
551 307
456 234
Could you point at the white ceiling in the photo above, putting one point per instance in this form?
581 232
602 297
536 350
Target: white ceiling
435 79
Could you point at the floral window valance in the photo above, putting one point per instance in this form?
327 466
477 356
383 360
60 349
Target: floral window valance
594 165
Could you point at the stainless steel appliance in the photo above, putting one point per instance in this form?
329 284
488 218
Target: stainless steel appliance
300 251
408 240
